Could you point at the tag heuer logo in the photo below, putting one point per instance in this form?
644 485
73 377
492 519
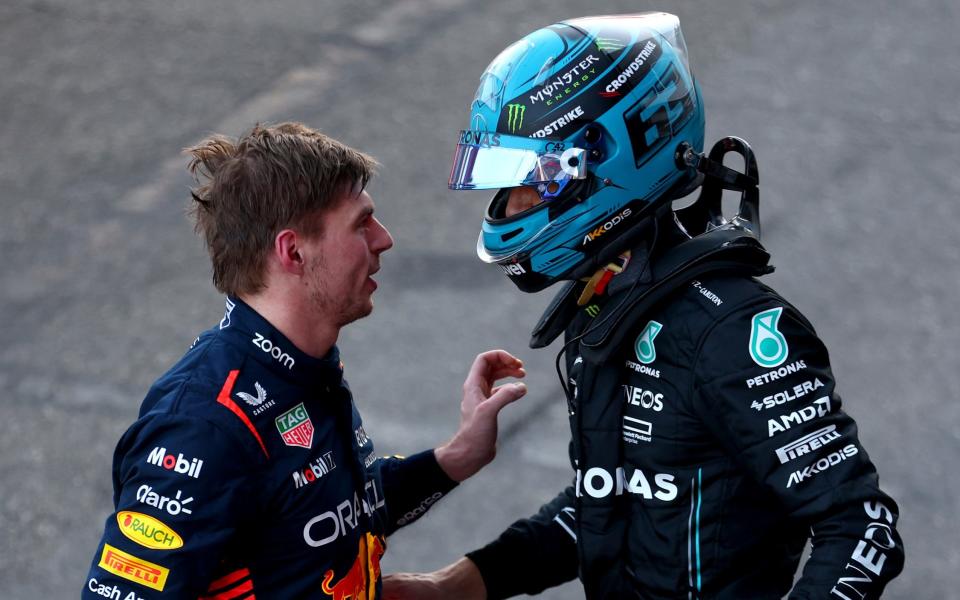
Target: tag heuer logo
295 427
646 352
768 347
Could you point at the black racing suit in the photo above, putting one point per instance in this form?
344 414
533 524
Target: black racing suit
249 475
732 449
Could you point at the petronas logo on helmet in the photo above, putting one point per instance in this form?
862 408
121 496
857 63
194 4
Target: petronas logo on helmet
768 347
646 351
515 116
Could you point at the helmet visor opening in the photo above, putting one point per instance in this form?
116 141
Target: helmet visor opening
480 166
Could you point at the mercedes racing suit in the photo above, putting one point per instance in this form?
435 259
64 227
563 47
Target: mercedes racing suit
733 449
249 475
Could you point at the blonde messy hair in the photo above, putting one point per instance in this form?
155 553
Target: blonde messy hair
253 187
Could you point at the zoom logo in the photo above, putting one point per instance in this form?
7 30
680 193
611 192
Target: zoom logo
273 350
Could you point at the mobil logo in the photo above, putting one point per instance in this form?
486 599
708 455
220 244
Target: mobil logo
178 464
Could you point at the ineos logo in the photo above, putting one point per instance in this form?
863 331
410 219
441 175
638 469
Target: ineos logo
645 398
273 350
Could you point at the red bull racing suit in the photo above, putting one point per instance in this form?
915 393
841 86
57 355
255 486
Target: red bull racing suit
709 444
249 475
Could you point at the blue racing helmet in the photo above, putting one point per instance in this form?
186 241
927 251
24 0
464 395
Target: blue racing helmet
589 113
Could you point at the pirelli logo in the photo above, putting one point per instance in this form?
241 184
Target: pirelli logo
134 569
808 444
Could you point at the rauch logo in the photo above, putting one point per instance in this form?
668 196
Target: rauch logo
147 531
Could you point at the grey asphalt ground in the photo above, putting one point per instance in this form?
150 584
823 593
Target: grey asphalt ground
851 107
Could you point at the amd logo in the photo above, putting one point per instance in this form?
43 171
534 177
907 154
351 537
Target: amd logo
818 408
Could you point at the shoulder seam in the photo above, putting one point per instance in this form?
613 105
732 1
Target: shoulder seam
224 399
205 383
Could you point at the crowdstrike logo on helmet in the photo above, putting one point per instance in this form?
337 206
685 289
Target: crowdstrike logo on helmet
558 124
515 116
548 87
631 69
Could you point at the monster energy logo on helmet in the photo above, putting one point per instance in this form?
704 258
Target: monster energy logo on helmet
608 44
515 116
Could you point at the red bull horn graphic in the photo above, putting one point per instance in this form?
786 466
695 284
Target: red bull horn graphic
360 582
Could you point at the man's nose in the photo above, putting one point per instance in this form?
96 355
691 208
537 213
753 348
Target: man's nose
382 240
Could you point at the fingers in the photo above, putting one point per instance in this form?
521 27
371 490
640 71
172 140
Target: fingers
506 372
493 365
504 395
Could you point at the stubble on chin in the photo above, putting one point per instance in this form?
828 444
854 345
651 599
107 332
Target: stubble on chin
342 311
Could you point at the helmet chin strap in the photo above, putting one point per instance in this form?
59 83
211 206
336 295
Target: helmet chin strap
625 241
597 283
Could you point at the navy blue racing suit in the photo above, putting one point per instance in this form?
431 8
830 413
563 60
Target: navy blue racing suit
248 474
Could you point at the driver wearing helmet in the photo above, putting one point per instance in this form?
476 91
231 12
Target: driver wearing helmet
709 442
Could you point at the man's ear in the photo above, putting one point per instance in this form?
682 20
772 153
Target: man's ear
286 250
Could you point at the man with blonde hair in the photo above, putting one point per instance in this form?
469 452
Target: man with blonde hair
248 472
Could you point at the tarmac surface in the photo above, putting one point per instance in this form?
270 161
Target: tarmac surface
851 108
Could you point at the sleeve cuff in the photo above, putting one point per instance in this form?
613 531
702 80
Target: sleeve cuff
487 559
415 484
